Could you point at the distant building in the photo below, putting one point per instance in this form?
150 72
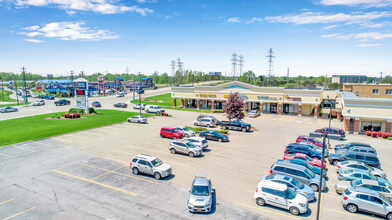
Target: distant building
349 78
369 90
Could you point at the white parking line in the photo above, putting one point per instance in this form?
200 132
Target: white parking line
25 149
5 155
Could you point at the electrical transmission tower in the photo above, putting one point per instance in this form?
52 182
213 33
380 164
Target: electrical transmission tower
180 65
234 65
270 64
241 61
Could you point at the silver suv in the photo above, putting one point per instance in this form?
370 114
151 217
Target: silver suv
208 122
150 165
299 173
200 194
185 147
186 131
366 200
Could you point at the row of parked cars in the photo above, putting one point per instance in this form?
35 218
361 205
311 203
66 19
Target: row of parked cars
363 185
293 180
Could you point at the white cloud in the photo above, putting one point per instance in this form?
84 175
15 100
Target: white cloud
330 27
31 28
71 31
369 45
233 20
98 6
33 40
140 1
361 36
319 17
364 3
253 20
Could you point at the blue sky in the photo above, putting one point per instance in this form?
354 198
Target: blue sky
311 37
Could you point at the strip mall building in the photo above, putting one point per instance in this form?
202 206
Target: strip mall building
301 102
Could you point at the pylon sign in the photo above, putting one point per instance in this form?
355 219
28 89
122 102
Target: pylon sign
81 93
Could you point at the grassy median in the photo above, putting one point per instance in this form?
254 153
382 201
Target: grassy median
43 126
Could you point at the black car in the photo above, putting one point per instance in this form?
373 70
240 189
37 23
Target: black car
62 102
120 105
214 135
96 104
350 145
236 125
154 87
299 148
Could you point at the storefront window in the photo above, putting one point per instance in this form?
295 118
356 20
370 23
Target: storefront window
371 126
266 107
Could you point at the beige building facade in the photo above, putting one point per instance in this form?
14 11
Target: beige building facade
369 90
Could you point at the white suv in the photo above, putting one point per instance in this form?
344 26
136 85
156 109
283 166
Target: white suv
150 165
279 195
154 109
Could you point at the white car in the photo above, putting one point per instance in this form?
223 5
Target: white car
137 119
154 109
186 131
280 195
199 141
38 102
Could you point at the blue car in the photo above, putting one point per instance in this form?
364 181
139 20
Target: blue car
8 109
357 174
50 97
312 168
299 148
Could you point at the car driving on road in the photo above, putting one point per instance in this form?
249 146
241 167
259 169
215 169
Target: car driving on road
62 102
200 194
8 109
150 165
120 105
96 104
38 102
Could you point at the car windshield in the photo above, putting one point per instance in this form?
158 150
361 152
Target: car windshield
177 130
356 183
309 173
216 133
290 193
200 191
190 144
157 162
308 158
297 184
388 201
186 129
253 111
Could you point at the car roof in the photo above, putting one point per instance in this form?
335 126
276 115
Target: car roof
364 190
201 181
373 182
281 177
273 185
362 148
145 157
353 162
168 128
288 164
360 171
363 153
197 138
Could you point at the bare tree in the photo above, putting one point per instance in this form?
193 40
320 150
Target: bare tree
234 106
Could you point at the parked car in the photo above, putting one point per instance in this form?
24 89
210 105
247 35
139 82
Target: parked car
49 97
200 194
34 96
214 135
62 102
280 195
186 131
119 95
38 102
254 114
366 200
8 109
96 104
356 174
380 187
315 148
154 109
199 141
304 157
308 139
352 164
217 122
139 106
298 148
150 165
349 145
41 96
367 158
299 173
314 169
332 132
206 122
357 149
235 125
154 88
120 105
170 133
185 147
297 186
137 119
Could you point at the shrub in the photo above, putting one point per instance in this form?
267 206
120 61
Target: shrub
217 111
223 131
91 110
368 133
379 133
386 135
76 110
389 138
197 129
374 134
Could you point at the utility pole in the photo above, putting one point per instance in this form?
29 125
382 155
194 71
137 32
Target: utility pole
16 90
2 89
326 81
82 74
288 72
133 88
24 86
381 76
270 65
180 68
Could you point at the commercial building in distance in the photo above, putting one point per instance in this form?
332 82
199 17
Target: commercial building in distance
349 78
369 90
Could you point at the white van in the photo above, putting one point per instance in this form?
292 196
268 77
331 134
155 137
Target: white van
154 109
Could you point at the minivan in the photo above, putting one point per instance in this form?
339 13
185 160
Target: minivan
299 173
367 158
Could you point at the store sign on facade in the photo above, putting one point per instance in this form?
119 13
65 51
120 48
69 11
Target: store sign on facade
207 95
267 98
295 99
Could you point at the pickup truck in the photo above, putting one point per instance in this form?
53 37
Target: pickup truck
62 102
235 125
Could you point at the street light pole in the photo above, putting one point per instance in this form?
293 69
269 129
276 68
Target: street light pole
140 106
321 177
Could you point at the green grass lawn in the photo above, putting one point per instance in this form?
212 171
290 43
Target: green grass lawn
37 127
6 95
14 104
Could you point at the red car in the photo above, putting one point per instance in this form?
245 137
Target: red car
171 133
304 157
309 140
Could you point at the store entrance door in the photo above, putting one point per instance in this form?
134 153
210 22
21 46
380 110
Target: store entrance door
273 107
285 108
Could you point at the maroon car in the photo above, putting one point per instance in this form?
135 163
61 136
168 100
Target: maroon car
309 140
332 131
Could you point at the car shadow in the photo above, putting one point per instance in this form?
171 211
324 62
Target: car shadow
277 209
213 208
206 150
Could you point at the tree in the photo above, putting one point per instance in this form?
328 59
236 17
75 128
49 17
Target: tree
233 107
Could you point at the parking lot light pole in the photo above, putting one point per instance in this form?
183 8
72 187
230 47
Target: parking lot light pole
140 106
321 177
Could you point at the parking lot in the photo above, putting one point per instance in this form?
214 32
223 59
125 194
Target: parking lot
86 174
